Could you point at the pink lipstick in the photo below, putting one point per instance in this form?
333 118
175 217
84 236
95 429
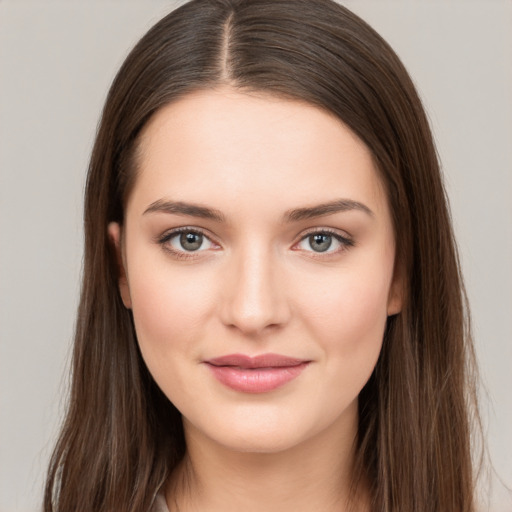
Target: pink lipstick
257 374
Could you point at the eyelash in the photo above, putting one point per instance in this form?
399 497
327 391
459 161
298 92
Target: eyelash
181 255
345 242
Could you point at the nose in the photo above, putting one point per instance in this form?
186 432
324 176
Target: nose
254 294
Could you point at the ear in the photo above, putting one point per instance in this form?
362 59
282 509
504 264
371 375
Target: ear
396 292
114 233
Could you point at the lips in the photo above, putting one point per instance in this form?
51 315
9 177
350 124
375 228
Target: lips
257 374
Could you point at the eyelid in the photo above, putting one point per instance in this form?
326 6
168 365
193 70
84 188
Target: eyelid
331 231
342 237
164 238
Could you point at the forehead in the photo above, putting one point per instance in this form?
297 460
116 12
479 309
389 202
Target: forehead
225 146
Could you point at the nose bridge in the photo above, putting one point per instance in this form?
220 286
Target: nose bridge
254 296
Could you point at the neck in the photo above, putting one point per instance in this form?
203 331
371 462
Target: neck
314 475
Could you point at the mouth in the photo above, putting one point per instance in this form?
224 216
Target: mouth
258 374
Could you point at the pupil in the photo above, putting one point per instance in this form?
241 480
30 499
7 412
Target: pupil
191 241
320 243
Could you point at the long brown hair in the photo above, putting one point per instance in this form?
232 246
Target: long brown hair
122 437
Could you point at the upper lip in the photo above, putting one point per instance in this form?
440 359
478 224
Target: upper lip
260 361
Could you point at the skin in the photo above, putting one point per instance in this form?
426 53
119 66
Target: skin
255 286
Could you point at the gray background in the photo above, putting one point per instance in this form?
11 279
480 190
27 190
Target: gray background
57 60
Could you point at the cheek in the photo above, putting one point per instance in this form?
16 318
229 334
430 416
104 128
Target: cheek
170 312
348 319
169 308
350 331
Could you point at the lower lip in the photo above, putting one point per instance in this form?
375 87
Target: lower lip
256 380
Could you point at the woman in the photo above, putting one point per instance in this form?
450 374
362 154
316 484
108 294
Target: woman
272 313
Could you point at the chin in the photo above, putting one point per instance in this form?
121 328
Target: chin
270 433
271 442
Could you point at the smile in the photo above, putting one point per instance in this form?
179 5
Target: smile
258 374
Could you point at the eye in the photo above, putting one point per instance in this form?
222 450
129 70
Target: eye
324 242
186 241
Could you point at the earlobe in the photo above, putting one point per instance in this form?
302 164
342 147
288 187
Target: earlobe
394 305
114 233
396 294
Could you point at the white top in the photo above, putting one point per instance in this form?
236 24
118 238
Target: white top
159 505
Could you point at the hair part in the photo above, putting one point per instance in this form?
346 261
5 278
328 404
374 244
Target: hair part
122 437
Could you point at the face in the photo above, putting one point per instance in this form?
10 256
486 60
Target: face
258 258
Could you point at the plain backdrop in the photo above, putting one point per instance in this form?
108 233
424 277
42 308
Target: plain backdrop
57 60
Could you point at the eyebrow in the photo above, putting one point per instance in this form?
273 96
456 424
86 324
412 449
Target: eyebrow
295 215
181 208
340 205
